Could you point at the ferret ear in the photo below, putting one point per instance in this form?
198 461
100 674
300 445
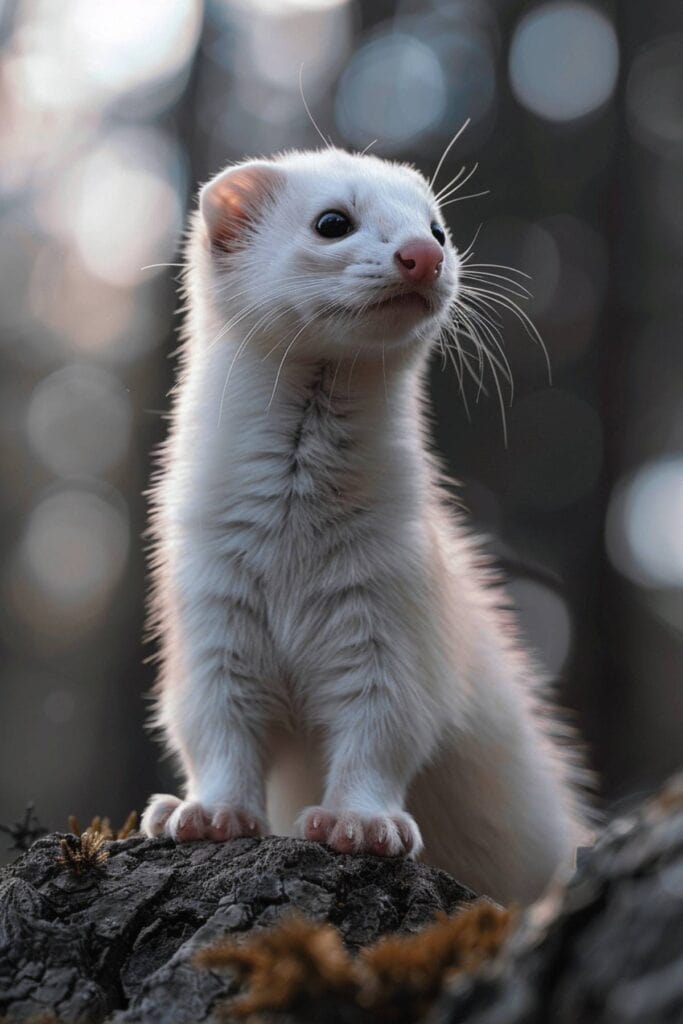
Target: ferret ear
235 198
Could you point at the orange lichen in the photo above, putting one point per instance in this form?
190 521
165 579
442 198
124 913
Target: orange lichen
292 963
301 967
402 974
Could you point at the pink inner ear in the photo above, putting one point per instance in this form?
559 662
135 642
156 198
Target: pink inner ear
235 199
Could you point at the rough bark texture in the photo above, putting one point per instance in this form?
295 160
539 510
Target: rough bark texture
120 940
607 950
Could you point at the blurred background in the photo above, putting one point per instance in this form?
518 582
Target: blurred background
111 111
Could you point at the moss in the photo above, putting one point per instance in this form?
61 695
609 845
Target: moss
302 968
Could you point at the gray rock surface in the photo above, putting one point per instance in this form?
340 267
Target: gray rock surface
608 949
118 943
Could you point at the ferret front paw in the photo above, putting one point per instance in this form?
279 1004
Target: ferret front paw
385 835
185 820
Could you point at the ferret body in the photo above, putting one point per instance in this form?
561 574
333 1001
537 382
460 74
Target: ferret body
335 659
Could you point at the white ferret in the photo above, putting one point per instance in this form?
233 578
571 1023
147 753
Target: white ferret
330 634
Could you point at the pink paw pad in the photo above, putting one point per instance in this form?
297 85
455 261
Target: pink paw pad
228 823
391 835
188 820
159 809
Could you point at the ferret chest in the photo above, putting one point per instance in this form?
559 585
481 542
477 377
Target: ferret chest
305 480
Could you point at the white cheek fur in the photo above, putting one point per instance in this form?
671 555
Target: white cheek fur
334 658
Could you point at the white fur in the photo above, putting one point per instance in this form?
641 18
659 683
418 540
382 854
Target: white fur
326 623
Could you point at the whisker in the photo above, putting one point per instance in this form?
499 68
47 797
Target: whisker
242 346
492 333
334 381
348 382
152 266
328 142
454 179
461 199
289 349
500 396
447 353
308 290
447 151
464 356
485 296
488 277
467 253
467 256
447 192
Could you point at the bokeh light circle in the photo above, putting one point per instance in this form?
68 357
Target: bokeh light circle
127 45
643 527
545 622
564 60
653 93
83 53
75 547
468 61
393 88
79 420
128 211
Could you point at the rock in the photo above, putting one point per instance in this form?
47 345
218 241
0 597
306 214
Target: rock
606 950
117 942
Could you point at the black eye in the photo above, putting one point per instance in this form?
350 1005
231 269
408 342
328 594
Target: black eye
438 232
333 224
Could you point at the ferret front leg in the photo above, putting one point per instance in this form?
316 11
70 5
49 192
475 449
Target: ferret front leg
375 746
213 708
223 764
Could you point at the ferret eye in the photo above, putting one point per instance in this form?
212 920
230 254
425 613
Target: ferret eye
438 232
333 224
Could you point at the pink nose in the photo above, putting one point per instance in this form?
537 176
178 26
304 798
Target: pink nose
419 260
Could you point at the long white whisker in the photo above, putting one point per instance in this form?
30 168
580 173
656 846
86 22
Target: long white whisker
348 382
491 333
243 344
152 266
309 290
484 296
334 381
461 199
456 177
313 121
445 193
289 348
447 151
500 396
467 253
455 334
492 278
447 353
467 256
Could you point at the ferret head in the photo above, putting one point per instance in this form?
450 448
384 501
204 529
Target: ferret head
328 251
